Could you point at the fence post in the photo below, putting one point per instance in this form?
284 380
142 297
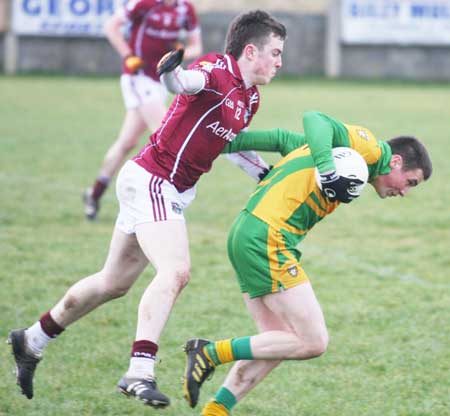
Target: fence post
333 39
11 41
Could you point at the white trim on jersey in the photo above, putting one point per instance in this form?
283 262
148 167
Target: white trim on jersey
214 91
163 33
140 34
191 133
229 64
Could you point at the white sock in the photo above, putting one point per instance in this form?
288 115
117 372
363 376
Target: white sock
36 339
141 367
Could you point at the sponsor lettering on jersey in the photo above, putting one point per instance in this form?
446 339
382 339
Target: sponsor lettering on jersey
209 66
221 131
229 103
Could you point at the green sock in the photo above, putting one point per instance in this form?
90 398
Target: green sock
226 398
241 348
227 350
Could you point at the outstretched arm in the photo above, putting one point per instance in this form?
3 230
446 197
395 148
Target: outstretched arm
250 162
276 140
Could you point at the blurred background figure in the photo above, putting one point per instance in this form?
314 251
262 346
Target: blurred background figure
155 27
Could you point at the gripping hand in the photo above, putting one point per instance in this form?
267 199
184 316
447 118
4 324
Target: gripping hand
170 61
264 173
339 188
133 63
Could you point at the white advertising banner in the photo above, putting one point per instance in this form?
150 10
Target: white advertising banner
422 22
62 17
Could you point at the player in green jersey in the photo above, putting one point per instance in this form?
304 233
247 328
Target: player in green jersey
262 247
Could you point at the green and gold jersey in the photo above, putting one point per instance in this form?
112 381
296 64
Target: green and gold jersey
288 199
322 133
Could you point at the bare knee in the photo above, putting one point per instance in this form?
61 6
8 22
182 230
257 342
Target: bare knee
128 145
120 148
114 291
114 286
310 346
182 274
177 276
318 344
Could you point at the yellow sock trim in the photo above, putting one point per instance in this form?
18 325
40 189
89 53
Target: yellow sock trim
211 361
214 409
224 351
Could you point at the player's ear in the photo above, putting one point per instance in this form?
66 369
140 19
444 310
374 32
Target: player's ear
250 51
396 162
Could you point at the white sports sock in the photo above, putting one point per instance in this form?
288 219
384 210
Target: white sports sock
36 339
141 367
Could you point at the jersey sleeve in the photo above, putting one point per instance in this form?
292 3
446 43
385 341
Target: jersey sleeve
276 140
250 162
322 133
210 66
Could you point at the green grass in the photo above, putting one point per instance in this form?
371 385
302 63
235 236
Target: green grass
379 267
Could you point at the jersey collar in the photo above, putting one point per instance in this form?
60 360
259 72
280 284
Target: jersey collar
233 67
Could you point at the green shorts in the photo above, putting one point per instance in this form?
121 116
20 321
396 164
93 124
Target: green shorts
264 260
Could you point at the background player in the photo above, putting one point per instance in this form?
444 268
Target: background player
155 28
218 98
262 247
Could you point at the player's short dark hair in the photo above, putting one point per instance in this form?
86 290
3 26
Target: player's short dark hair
252 27
413 153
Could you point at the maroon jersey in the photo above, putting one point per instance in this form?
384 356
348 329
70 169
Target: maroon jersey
196 128
155 28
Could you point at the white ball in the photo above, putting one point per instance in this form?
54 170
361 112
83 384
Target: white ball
349 164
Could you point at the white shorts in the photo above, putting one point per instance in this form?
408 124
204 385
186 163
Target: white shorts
139 89
144 197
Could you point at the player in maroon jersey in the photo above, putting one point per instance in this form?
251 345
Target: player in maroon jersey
155 28
217 97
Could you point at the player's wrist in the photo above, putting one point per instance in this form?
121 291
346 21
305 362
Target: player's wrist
133 63
329 176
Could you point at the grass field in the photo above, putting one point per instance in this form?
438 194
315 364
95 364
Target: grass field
380 268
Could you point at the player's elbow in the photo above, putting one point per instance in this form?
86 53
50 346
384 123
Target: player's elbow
183 82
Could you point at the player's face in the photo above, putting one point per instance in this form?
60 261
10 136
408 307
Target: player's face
398 182
268 60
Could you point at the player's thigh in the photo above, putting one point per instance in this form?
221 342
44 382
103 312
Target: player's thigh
165 243
152 99
125 260
265 319
153 112
299 308
133 126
